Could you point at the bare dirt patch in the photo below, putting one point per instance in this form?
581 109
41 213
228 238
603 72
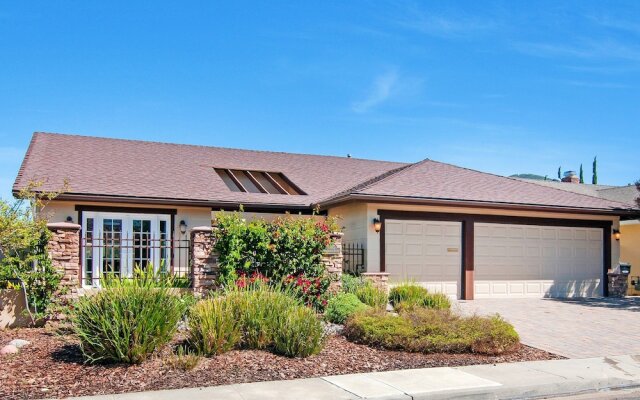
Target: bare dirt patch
52 366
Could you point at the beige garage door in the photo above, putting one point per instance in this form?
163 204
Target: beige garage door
426 252
537 261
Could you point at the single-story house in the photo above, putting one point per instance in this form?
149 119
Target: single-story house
459 231
629 233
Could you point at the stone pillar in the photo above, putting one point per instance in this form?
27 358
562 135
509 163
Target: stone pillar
64 251
204 268
379 279
333 259
618 284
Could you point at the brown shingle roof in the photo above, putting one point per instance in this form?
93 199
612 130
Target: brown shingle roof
439 181
150 170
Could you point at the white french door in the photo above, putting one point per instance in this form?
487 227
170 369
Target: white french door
117 243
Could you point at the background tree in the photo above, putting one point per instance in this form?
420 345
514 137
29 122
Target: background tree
24 262
559 172
638 187
594 178
581 174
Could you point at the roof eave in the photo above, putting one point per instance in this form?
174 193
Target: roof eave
215 205
633 213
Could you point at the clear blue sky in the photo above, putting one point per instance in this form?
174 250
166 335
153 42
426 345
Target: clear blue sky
504 87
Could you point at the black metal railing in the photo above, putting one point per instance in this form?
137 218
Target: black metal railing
353 258
120 256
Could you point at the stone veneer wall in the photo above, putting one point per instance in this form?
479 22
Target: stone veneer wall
204 267
64 250
379 279
618 284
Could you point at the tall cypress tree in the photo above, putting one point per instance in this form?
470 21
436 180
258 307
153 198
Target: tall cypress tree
594 179
559 174
581 174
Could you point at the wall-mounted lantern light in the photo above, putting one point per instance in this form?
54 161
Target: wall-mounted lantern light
183 227
377 224
616 234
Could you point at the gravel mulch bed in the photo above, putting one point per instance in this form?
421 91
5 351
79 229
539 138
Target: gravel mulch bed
52 366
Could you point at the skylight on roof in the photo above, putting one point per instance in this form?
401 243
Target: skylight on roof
258 182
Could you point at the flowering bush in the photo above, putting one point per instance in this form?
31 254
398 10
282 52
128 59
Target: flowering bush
310 290
255 279
286 251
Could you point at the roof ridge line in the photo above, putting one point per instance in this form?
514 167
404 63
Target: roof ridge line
368 182
214 147
533 183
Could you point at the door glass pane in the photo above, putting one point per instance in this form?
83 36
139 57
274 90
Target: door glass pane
88 252
164 247
112 246
141 243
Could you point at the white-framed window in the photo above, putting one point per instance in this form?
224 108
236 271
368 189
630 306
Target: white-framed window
116 243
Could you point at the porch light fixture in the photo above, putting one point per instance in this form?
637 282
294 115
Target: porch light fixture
616 234
377 225
183 227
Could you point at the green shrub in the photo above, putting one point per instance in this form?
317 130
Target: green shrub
351 283
342 306
408 296
287 250
126 324
214 328
432 331
372 296
284 247
264 318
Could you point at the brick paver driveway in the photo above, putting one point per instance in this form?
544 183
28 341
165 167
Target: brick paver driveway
574 328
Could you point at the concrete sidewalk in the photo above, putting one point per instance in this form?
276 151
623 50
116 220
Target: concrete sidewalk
527 380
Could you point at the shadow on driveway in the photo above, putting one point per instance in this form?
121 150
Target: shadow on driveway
627 303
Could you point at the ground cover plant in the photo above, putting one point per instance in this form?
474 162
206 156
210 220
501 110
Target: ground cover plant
255 317
432 331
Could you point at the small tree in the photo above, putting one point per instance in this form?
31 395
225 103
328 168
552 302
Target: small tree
594 179
559 173
581 174
638 187
24 262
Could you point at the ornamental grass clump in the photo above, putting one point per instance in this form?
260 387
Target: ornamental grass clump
214 328
126 323
408 296
342 306
372 296
433 331
255 317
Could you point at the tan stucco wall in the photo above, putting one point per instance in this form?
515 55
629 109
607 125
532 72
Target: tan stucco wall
57 211
362 218
352 221
630 249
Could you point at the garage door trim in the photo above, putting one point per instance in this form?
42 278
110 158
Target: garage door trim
468 221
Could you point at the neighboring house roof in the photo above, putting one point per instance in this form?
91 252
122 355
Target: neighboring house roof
130 170
623 194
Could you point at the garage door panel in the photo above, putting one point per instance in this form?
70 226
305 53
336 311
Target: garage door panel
537 261
430 254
